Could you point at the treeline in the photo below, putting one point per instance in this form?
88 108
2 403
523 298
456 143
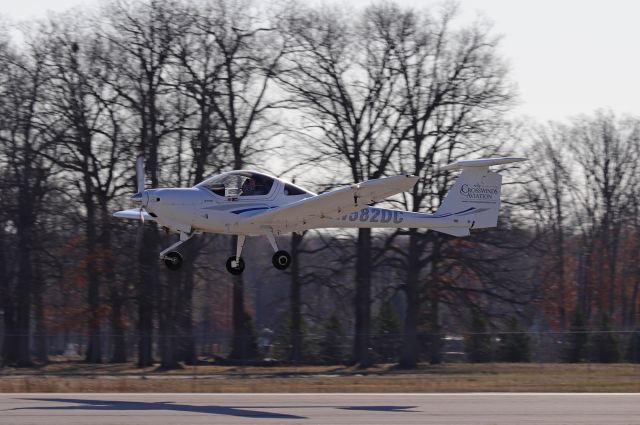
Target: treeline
585 189
329 98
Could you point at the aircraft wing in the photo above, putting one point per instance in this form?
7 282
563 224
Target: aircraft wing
335 203
134 214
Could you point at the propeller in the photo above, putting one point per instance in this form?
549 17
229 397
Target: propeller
139 197
140 172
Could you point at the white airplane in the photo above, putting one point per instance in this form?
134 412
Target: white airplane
249 203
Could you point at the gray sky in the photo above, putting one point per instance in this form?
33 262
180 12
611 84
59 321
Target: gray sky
567 56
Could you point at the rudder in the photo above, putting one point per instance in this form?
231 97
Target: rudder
476 192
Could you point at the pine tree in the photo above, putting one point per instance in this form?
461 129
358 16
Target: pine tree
333 341
282 340
633 350
245 344
387 339
576 343
514 345
478 342
605 345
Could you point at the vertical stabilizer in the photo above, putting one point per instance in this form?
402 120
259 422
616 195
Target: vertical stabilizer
476 192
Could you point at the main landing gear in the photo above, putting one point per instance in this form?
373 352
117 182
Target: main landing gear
281 259
235 264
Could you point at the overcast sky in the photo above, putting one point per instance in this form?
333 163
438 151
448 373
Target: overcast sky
567 56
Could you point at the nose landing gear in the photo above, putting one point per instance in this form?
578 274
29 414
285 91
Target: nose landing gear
235 267
173 260
235 264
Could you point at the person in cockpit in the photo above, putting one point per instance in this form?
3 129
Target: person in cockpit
248 187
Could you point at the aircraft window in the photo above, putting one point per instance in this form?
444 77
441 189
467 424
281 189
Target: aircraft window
240 183
291 190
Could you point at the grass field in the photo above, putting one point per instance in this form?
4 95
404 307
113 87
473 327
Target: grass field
539 377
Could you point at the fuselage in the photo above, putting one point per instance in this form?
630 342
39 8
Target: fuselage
211 208
248 203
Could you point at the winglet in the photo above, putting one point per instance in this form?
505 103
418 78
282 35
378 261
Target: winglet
458 165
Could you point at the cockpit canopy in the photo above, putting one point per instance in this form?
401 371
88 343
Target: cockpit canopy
239 183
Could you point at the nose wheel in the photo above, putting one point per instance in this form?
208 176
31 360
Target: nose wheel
235 267
281 260
173 260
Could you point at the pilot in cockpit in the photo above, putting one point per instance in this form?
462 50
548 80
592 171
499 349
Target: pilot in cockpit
248 187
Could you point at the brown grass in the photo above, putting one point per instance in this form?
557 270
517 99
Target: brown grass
444 378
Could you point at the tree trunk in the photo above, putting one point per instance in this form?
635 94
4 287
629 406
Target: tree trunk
41 329
240 340
116 295
10 341
562 312
24 292
145 293
362 339
433 291
118 347
295 300
94 347
435 339
7 298
186 350
167 320
409 355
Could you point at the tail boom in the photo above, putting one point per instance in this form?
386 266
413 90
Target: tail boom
473 202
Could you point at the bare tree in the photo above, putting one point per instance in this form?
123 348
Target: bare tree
455 89
244 53
141 38
549 190
27 179
340 76
605 150
85 123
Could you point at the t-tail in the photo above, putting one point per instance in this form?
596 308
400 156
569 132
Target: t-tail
473 202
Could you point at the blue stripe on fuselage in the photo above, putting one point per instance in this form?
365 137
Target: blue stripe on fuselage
249 209
450 214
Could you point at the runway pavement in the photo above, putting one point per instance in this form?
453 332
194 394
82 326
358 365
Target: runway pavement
334 409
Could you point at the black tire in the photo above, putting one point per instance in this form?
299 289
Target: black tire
281 260
235 270
173 260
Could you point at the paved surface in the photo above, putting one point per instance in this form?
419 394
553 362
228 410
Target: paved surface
174 409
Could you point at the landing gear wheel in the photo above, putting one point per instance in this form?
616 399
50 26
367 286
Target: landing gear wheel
238 269
281 260
173 260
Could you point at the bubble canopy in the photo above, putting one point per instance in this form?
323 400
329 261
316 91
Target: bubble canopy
239 183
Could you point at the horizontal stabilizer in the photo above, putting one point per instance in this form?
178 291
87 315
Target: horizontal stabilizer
458 165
